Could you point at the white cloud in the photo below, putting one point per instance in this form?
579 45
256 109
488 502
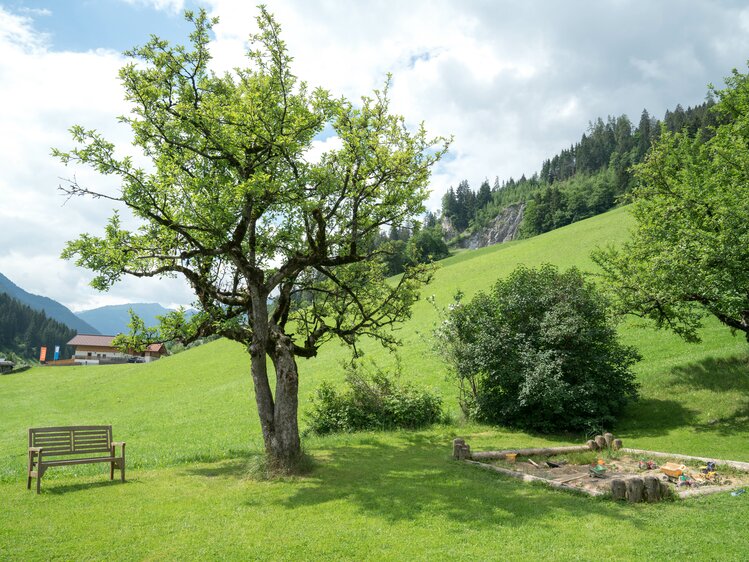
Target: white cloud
44 93
513 82
173 6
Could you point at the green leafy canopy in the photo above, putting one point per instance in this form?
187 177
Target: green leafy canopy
689 253
232 204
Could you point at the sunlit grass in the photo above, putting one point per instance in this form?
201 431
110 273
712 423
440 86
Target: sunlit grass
193 440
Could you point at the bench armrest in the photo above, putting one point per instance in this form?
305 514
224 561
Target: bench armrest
35 449
118 443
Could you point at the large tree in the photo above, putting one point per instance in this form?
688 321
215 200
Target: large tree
278 249
689 252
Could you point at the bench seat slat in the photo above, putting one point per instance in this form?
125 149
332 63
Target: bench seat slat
62 462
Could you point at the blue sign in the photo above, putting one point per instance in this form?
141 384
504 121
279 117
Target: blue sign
57 352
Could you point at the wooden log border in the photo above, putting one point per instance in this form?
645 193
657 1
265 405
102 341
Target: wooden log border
735 464
542 452
475 458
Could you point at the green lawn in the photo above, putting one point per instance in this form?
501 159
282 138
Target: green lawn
192 433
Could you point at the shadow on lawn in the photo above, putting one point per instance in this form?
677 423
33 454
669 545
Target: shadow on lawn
418 478
729 425
50 487
719 375
651 417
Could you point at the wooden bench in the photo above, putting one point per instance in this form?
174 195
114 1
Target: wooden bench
80 444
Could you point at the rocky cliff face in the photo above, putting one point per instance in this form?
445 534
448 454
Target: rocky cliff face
503 228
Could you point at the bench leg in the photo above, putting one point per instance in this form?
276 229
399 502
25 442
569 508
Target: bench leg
111 470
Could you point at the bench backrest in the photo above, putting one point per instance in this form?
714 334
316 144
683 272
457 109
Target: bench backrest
72 440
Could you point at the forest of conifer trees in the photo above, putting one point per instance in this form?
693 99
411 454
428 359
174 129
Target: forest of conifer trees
23 331
586 179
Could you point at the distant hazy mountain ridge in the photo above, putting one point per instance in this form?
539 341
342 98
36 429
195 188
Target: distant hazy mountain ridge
113 319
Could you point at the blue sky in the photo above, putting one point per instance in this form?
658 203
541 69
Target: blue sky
513 82
101 24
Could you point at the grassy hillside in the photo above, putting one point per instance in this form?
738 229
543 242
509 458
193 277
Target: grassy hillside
191 429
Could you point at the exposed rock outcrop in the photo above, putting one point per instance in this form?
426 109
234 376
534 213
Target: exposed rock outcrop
503 228
448 230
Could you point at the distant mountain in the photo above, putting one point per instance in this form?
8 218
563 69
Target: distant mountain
52 308
113 319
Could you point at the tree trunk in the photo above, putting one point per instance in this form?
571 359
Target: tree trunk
263 393
278 416
285 446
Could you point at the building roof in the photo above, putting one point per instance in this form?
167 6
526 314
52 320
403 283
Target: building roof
84 340
89 339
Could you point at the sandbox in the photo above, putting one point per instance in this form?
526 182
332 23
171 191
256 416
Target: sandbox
603 467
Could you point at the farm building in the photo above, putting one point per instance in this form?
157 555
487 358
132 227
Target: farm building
98 350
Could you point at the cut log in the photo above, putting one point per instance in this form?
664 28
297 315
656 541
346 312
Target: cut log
600 442
533 463
635 488
590 444
616 444
618 489
540 452
652 489
609 438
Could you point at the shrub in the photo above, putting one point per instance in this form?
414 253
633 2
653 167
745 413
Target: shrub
539 352
376 401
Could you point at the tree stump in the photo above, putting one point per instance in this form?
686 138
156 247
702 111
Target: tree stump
459 449
635 488
618 489
600 441
616 444
652 489
609 438
665 489
591 444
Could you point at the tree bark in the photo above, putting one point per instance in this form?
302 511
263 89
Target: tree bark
278 416
285 445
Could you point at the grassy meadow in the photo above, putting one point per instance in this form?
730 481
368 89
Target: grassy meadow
193 437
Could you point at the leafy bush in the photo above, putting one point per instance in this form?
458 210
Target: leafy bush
376 401
539 352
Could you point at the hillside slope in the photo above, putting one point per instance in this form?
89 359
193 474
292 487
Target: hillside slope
202 398
192 437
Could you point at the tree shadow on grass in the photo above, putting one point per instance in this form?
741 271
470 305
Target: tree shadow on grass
51 488
716 374
417 478
651 417
232 468
729 425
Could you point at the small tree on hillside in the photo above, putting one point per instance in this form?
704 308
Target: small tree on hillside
539 352
232 205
